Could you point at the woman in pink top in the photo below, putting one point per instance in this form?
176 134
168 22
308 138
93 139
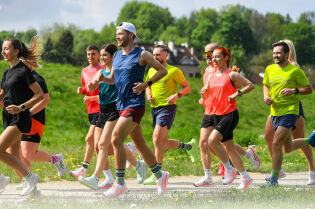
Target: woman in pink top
223 86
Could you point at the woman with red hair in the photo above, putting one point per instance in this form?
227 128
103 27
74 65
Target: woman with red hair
223 86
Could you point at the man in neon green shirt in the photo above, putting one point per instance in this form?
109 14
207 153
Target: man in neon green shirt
162 96
282 84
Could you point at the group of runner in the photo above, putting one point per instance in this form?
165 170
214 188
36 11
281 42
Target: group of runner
115 98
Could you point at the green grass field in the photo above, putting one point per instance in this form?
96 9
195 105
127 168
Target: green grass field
67 125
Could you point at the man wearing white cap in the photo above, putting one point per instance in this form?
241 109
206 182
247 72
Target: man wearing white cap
127 74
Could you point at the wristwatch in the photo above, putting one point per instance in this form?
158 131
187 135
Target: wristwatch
179 94
23 107
296 91
239 93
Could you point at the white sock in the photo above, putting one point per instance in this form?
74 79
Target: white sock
247 154
244 174
108 174
208 173
227 165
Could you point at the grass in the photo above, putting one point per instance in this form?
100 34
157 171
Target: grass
67 124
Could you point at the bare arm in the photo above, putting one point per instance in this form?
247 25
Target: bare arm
148 92
40 105
302 91
240 81
267 98
186 89
1 94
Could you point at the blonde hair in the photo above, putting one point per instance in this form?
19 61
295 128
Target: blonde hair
292 52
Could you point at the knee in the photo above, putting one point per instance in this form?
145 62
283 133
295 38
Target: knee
89 139
204 145
115 141
158 143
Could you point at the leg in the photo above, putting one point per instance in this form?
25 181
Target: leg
160 141
282 134
204 146
269 134
240 149
97 135
215 144
234 155
89 151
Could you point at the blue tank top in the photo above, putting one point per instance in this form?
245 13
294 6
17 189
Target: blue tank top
107 93
127 71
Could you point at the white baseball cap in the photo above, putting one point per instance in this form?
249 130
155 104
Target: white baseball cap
129 27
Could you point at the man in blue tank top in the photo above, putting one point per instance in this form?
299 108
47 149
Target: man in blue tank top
127 74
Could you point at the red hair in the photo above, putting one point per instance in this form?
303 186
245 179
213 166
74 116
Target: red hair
226 52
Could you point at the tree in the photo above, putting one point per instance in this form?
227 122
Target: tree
63 47
48 55
307 17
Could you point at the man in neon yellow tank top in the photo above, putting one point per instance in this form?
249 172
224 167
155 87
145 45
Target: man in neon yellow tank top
282 82
162 96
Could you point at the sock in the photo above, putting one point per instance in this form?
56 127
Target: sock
227 165
108 174
160 165
275 174
120 176
207 173
247 154
156 170
244 174
185 146
53 159
85 165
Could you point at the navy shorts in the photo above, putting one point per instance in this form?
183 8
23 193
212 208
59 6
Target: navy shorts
301 112
225 124
164 116
108 113
207 121
288 121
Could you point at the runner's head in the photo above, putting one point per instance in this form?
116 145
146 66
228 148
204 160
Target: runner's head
221 57
107 52
126 33
92 54
160 53
280 52
209 50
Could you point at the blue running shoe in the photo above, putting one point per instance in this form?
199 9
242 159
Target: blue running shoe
311 139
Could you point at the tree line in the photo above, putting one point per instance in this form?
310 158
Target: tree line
248 33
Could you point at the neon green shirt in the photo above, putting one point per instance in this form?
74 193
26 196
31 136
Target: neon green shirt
277 79
167 86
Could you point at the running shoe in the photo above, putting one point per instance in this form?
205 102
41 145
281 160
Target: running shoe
61 165
20 186
162 182
116 190
281 175
150 180
221 170
271 183
194 151
311 139
253 158
90 182
78 172
4 180
229 175
108 183
29 184
204 182
141 171
244 182
34 195
311 179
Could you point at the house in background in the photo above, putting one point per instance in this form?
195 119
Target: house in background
179 56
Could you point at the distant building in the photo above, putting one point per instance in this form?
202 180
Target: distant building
179 56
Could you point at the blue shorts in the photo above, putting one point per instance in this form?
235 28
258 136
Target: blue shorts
164 116
301 112
287 121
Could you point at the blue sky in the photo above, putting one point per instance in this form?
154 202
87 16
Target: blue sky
20 15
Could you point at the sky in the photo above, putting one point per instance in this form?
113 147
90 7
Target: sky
20 15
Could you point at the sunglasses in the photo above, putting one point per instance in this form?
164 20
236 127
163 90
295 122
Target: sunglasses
209 53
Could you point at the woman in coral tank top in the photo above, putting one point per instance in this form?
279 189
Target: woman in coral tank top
223 86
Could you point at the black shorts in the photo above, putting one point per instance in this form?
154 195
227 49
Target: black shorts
225 124
93 117
207 121
108 113
22 120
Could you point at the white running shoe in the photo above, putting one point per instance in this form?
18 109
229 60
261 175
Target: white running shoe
281 175
61 165
141 171
29 184
244 182
253 158
78 172
20 186
162 182
108 183
4 180
229 175
132 148
116 190
34 195
90 182
203 182
311 179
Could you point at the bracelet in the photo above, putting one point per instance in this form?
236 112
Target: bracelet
239 93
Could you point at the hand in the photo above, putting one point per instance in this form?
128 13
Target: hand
268 100
232 97
172 99
139 87
287 92
13 109
203 90
90 87
150 99
201 101
80 90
